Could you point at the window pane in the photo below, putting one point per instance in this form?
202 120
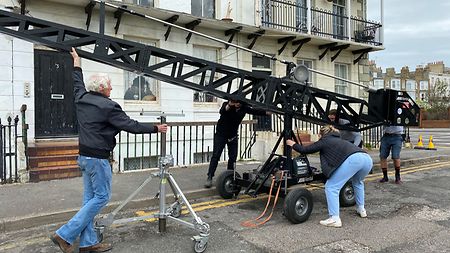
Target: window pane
209 54
141 88
196 7
203 8
340 70
144 2
260 62
208 9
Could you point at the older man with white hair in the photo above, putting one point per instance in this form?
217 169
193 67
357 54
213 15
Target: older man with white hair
100 119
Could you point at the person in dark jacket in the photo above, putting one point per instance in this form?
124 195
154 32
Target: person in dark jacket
100 119
231 115
351 136
340 161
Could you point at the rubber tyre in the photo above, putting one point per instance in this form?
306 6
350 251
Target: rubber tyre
347 195
224 187
298 205
198 248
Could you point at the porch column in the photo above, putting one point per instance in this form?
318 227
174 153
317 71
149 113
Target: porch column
308 16
349 23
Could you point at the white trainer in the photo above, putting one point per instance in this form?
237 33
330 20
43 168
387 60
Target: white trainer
362 212
331 222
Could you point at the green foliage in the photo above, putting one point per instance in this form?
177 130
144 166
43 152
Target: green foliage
423 104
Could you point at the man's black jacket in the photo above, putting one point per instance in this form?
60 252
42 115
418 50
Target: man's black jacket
100 119
229 121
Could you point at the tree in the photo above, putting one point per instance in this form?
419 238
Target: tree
438 101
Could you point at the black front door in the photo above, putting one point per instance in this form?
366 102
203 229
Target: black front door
54 104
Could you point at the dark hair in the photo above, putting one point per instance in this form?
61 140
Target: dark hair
332 112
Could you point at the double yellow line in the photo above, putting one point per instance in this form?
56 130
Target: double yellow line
202 206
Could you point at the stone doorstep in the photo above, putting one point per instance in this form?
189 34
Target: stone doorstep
57 172
52 151
51 161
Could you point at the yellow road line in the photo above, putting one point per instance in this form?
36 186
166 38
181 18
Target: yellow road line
223 203
408 170
198 207
202 206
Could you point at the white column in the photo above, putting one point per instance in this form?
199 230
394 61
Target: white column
382 22
349 14
308 16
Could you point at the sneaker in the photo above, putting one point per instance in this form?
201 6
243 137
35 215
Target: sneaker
398 181
208 183
383 180
331 222
362 212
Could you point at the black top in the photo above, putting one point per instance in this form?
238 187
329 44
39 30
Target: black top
230 120
100 119
333 151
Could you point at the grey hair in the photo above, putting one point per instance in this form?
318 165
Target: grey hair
96 81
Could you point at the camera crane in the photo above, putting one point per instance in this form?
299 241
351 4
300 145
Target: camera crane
289 96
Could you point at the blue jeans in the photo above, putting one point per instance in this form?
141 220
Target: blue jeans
391 143
97 178
355 167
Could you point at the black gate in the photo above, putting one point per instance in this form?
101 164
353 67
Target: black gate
55 110
8 151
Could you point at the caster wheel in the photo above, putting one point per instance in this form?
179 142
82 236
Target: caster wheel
176 211
200 247
99 234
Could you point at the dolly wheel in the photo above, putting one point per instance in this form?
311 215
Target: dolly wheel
200 247
347 195
176 210
298 205
226 186
99 232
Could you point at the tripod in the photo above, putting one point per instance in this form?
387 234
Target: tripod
172 211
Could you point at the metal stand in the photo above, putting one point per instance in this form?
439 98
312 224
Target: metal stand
172 211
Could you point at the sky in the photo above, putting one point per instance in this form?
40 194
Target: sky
416 32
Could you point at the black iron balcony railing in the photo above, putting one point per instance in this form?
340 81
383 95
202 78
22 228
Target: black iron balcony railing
291 16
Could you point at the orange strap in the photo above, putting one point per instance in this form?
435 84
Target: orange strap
254 222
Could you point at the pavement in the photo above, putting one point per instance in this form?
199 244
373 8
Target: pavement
27 205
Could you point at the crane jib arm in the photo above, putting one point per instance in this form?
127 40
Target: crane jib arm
278 95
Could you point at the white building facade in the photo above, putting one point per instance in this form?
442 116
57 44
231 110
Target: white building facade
324 35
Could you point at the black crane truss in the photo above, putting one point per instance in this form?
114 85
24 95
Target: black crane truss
279 95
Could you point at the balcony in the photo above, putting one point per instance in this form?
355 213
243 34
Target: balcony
290 16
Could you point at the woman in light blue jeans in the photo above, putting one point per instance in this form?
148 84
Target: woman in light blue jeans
97 177
340 161
355 168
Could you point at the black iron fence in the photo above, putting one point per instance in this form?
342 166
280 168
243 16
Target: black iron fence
8 151
188 142
292 16
366 31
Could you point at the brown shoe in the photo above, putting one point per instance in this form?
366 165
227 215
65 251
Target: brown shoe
63 245
99 247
